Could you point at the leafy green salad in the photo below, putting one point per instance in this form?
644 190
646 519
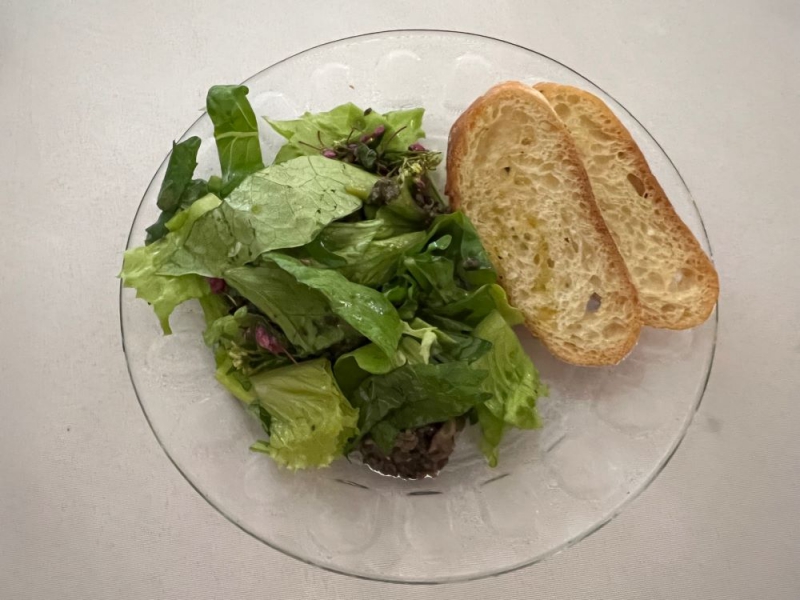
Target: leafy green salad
346 306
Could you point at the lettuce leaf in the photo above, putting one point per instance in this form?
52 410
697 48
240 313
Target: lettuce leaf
283 206
492 430
141 266
312 132
303 314
236 133
310 420
513 381
475 306
415 395
352 368
365 309
470 259
235 382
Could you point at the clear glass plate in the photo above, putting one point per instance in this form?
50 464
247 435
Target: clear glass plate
608 431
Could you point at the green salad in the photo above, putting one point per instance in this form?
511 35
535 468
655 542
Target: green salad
347 307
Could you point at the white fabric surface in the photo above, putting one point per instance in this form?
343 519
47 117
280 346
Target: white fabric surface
92 92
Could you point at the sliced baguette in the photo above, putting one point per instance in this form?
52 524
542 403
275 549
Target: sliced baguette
513 169
677 283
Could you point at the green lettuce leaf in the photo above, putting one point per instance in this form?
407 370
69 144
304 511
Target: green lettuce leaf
379 261
475 306
236 133
303 314
352 368
415 395
471 261
234 381
310 420
141 266
365 309
492 430
283 206
513 381
312 132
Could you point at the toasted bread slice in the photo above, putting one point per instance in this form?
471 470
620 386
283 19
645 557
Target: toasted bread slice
513 169
677 283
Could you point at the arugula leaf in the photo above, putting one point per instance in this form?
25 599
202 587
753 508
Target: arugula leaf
310 419
141 266
513 381
415 395
313 132
365 309
283 206
302 313
236 133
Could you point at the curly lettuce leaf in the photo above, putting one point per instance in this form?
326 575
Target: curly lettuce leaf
233 380
141 266
492 430
283 206
312 132
236 133
310 420
365 309
513 381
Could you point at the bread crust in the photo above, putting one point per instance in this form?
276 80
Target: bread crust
654 315
456 151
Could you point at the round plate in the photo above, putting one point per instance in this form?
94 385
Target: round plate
608 431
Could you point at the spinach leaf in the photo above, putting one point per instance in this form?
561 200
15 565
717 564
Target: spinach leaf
236 133
415 395
415 348
471 308
180 168
310 420
303 314
283 206
472 264
178 190
365 309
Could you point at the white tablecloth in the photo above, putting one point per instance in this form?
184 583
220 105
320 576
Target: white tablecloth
91 92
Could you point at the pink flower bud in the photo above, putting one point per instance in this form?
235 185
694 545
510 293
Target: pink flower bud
217 285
